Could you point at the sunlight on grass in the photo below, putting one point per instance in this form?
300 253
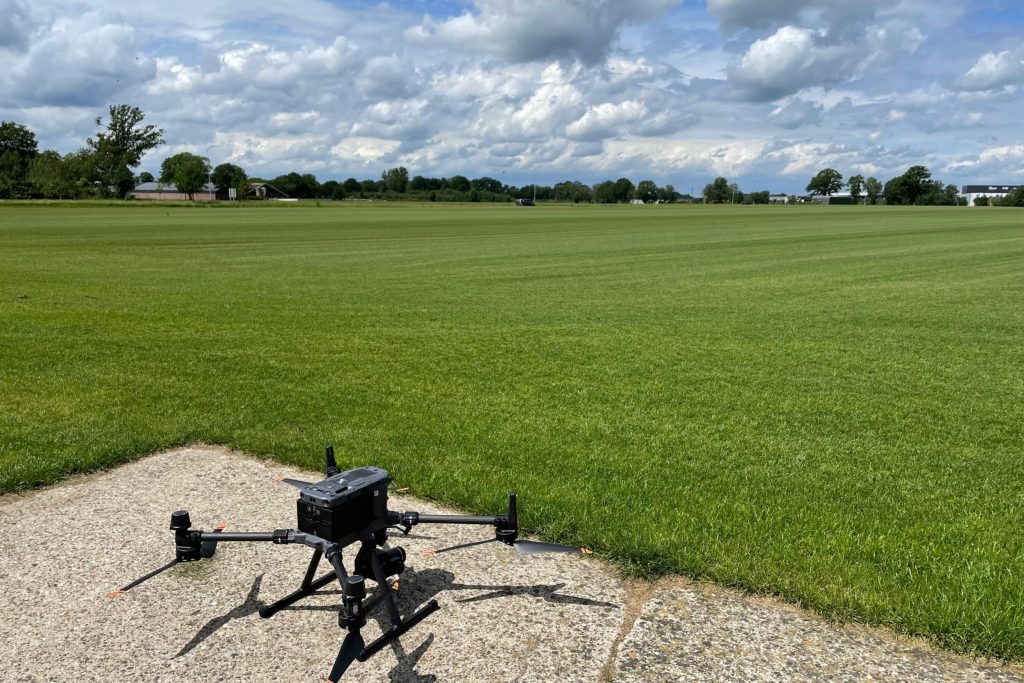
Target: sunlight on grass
824 403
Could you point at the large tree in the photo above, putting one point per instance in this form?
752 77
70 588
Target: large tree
49 176
647 191
187 171
909 187
228 176
396 179
828 181
121 146
856 185
17 150
718 192
873 189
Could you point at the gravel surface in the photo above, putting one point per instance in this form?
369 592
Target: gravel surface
503 617
705 633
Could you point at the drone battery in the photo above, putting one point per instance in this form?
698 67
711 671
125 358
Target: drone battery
340 507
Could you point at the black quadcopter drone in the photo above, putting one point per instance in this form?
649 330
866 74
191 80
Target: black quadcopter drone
334 513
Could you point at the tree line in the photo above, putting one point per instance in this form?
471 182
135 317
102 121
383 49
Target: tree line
915 187
104 167
395 183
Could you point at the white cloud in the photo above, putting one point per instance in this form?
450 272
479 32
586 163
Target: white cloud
86 60
365 148
992 71
606 119
532 30
795 58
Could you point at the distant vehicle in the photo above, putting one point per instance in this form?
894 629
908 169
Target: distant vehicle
525 202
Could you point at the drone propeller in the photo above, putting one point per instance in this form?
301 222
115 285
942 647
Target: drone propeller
297 483
538 547
206 551
121 591
351 648
522 547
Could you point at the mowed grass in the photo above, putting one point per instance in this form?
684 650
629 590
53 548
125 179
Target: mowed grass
823 403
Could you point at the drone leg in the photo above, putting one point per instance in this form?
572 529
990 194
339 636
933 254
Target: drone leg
307 587
307 580
398 625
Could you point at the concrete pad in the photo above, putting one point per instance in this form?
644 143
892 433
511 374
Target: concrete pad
694 632
503 617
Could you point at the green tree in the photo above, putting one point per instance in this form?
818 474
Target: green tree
396 179
718 191
188 172
646 191
17 150
146 177
351 186
981 200
49 176
827 182
487 184
856 185
909 187
229 175
121 146
1015 197
460 183
604 192
624 190
873 188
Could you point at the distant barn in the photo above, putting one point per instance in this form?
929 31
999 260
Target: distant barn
168 192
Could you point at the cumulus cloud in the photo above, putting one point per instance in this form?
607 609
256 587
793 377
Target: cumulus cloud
533 30
606 119
794 58
84 61
993 160
993 70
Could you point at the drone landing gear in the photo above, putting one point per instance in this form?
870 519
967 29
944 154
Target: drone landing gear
372 561
307 587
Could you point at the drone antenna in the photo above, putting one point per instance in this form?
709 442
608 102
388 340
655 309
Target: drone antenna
332 464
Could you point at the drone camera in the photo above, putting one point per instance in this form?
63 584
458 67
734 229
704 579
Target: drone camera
392 562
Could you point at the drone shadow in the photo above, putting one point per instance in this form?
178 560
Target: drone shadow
251 606
418 587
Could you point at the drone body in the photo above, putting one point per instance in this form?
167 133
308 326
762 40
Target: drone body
334 513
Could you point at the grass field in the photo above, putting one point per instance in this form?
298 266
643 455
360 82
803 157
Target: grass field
824 403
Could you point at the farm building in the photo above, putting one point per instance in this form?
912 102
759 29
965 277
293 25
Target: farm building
972 192
168 192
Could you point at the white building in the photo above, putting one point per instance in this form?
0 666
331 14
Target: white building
972 192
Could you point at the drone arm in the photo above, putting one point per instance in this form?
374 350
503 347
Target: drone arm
506 526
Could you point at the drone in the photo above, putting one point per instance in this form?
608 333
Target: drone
341 510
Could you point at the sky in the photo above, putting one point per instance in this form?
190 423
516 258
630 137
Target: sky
763 92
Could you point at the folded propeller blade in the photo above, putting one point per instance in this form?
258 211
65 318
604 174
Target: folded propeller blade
351 647
297 483
136 582
537 547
